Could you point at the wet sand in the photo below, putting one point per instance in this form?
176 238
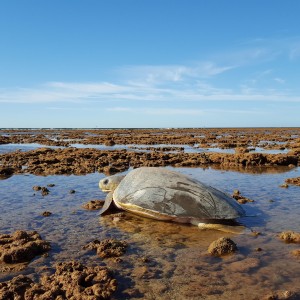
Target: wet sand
162 260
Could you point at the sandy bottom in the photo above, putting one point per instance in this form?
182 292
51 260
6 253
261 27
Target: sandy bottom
163 260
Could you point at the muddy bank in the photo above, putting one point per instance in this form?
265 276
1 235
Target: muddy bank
70 160
46 161
268 138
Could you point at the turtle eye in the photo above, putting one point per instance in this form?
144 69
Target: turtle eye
105 181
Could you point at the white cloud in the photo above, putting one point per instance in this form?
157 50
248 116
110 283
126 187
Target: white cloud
156 75
157 111
279 80
198 81
106 92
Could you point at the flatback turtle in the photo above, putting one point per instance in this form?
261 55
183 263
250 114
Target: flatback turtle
162 194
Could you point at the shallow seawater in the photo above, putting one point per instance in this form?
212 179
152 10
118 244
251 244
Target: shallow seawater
6 148
177 264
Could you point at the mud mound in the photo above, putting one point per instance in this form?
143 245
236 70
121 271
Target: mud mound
71 280
21 246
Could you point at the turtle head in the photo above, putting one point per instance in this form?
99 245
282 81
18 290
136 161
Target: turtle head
109 184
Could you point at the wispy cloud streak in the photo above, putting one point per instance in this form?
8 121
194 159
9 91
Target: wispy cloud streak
93 92
198 81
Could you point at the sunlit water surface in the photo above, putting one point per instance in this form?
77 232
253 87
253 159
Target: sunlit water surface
178 265
6 148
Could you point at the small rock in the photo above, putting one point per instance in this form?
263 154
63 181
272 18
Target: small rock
72 191
294 181
290 236
45 191
51 185
284 185
108 247
282 295
93 204
239 198
296 252
109 142
222 246
46 214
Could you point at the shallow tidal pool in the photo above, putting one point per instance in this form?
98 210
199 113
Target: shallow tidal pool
164 260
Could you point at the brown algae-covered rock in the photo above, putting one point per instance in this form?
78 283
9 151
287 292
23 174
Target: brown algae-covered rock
294 181
80 282
290 236
282 295
93 204
239 198
15 288
108 247
222 246
21 246
71 280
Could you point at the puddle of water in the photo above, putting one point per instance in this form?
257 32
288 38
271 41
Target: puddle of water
6 148
269 151
179 266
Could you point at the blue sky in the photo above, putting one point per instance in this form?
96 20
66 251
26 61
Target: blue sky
149 63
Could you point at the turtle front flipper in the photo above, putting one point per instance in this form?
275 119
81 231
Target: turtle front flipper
107 204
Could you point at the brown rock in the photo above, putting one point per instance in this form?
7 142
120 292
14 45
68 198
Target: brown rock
36 188
45 191
290 236
70 281
93 204
15 288
284 185
108 247
109 142
222 246
22 246
239 198
282 295
46 214
294 181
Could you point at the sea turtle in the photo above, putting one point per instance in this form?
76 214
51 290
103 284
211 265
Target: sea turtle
162 194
